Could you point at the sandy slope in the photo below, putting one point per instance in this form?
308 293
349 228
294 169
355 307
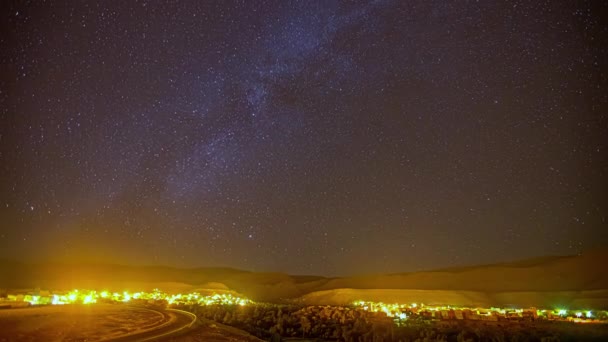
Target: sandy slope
550 299
429 297
552 274
575 282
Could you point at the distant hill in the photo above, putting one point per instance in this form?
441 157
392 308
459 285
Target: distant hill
260 286
572 281
569 273
545 260
548 281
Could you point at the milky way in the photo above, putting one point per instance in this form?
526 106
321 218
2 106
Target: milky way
305 137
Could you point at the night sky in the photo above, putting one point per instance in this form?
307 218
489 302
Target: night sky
328 138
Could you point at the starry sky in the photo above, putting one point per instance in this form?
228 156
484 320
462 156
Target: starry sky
328 137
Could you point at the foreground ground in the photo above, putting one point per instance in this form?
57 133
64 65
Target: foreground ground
86 323
210 331
111 322
258 322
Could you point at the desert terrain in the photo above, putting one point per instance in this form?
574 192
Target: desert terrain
77 322
544 282
530 300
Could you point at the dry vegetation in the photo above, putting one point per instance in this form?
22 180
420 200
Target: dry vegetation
333 323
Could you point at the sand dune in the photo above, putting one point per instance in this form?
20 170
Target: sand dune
547 299
572 273
429 297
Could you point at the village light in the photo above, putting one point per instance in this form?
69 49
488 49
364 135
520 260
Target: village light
88 299
34 300
589 314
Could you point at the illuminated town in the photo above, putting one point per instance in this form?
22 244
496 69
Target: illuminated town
399 312
91 296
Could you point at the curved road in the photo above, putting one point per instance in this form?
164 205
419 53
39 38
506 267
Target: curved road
176 321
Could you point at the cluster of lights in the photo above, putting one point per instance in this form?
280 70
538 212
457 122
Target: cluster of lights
91 297
397 311
216 299
401 311
391 310
578 314
76 296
